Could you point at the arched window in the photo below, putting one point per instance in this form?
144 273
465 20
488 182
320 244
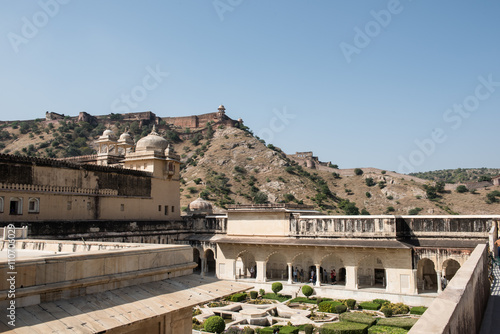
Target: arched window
34 205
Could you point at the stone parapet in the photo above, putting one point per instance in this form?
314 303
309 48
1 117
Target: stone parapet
57 189
51 270
460 308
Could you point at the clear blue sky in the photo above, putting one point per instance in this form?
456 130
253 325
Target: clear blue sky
359 83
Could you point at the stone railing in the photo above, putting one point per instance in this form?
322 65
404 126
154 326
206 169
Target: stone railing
57 189
449 226
343 226
388 226
19 232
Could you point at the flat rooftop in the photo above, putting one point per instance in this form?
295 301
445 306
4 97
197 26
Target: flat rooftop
113 309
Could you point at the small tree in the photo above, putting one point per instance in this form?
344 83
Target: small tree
462 189
369 182
277 287
358 171
307 290
214 324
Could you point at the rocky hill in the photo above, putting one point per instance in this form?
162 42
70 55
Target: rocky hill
459 175
228 165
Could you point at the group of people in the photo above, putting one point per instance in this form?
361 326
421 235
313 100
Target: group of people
298 275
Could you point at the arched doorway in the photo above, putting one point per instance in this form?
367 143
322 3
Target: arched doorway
426 276
450 268
197 259
303 263
333 262
371 273
276 267
246 266
341 275
210 258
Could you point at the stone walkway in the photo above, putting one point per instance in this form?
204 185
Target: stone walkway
491 319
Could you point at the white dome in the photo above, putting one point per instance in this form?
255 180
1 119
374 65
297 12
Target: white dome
108 135
200 206
152 142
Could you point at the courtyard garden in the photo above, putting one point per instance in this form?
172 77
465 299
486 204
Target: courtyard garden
265 312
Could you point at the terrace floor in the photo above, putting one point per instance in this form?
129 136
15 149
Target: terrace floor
491 320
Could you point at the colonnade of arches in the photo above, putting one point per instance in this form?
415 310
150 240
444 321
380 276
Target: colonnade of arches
302 268
354 269
433 279
205 258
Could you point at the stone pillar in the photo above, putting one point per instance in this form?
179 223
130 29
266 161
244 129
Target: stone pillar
318 275
234 270
290 277
261 271
438 274
414 282
351 279
203 266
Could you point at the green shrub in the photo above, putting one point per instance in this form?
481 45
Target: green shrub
358 317
289 330
328 306
414 211
307 290
343 328
307 300
405 323
269 330
277 287
253 294
386 310
369 306
214 324
340 309
369 182
386 330
308 329
248 330
381 301
358 171
351 303
273 296
238 297
418 310
462 189
262 292
399 308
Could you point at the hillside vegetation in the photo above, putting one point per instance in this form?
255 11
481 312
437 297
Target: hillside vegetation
459 175
227 165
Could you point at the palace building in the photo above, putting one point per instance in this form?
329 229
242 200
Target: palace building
119 183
